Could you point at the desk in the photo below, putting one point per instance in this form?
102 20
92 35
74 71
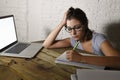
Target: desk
42 67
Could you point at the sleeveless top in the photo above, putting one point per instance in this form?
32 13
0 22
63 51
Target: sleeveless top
97 40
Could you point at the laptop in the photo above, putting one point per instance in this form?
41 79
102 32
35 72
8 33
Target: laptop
9 44
89 74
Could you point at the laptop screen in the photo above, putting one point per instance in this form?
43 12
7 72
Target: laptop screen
7 31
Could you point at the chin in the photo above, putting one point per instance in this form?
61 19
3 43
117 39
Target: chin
76 39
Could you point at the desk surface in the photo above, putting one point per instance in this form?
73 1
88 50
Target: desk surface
42 67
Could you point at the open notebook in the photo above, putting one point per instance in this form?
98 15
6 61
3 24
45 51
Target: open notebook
62 59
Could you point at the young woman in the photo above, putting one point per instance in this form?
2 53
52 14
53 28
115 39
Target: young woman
76 24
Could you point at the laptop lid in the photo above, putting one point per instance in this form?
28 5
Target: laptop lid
8 35
9 38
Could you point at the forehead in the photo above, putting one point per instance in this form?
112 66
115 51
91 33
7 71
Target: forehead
73 22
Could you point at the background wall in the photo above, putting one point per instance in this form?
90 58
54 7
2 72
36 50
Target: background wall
35 19
19 9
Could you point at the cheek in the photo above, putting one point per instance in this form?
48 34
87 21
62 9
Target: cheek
79 33
77 36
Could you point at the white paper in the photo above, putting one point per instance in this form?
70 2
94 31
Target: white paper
62 59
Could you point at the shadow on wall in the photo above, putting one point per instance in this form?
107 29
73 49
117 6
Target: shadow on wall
47 31
113 33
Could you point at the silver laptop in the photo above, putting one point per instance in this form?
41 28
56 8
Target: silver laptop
9 44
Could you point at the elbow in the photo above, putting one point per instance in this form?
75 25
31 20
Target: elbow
46 46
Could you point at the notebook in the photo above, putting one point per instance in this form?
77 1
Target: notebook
62 59
9 44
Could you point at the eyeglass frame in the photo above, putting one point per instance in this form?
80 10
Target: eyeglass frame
76 29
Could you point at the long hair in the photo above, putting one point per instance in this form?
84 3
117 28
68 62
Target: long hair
77 13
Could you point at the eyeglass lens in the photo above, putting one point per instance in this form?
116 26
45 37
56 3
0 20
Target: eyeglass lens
76 28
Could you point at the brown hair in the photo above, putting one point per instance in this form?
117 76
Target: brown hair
76 13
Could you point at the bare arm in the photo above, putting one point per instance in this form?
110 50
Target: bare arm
52 36
50 41
111 58
108 50
61 43
110 61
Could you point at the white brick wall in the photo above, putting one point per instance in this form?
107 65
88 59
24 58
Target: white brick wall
36 18
18 8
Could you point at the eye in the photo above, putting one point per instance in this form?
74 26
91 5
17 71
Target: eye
77 26
69 28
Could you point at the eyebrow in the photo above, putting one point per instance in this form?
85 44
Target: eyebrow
73 26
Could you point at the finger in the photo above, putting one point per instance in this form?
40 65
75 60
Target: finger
68 52
67 57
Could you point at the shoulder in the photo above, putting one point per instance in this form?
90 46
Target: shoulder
98 38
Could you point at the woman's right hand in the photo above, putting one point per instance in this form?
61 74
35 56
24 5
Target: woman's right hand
72 55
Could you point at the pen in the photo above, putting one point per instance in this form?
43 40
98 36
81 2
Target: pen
76 45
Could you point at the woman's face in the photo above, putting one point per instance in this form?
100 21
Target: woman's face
75 28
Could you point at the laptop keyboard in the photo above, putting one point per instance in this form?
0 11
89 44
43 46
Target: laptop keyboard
17 48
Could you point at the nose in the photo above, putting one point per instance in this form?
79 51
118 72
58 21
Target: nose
73 32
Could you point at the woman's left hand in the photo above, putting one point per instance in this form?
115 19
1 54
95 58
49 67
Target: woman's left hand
72 55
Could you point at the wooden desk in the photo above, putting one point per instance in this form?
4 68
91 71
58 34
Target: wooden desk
42 67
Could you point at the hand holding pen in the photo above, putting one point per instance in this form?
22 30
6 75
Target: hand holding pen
72 55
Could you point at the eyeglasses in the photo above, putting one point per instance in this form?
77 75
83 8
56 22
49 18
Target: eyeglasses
77 28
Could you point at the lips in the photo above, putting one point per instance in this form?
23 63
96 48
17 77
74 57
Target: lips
76 37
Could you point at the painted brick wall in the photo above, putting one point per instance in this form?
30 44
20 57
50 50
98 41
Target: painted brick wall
35 19
19 9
